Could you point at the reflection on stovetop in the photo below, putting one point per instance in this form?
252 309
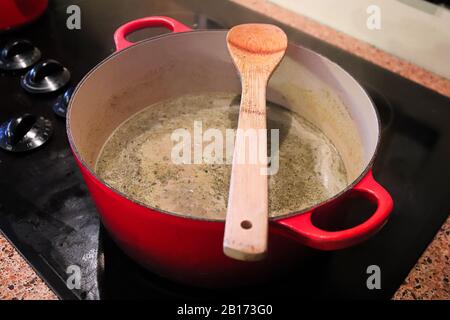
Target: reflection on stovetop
122 278
47 213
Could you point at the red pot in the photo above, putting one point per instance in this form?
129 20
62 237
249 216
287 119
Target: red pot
189 249
15 13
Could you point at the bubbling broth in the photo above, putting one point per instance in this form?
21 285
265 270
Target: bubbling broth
137 158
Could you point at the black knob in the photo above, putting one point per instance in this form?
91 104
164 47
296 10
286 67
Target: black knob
24 133
46 76
17 128
60 107
48 68
18 55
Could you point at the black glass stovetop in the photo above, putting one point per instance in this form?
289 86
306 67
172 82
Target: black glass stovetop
46 211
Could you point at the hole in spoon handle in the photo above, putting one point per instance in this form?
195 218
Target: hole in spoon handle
246 224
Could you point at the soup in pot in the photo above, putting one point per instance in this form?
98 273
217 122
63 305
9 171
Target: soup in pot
138 158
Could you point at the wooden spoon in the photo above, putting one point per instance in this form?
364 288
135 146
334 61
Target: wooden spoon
256 49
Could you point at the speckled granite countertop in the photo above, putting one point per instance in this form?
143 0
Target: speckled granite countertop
429 279
17 279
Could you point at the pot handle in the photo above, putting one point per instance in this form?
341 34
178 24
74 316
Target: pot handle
312 236
147 22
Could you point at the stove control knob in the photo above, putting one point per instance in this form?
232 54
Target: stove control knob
60 107
19 55
46 76
24 133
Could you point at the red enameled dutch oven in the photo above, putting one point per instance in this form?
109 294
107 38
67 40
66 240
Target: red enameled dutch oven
15 13
189 249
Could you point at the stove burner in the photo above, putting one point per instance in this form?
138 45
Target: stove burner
46 76
24 133
19 55
60 107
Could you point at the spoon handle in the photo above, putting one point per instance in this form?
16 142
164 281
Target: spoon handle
247 212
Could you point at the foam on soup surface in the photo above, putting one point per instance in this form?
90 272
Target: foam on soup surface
137 158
